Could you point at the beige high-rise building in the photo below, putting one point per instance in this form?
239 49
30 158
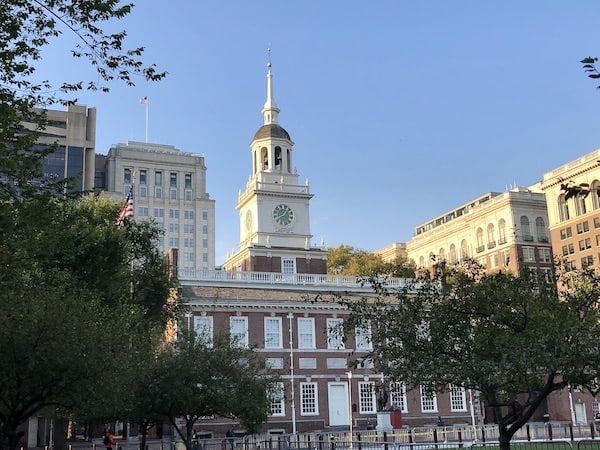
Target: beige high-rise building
499 230
170 187
573 197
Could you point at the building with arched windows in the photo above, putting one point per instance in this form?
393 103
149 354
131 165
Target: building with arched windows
498 230
573 197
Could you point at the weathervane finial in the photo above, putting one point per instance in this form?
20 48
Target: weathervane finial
269 57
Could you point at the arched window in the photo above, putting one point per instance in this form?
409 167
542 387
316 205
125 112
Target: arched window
453 256
491 236
441 255
580 205
525 229
277 158
563 208
541 230
431 260
479 235
501 231
421 262
264 156
464 249
595 194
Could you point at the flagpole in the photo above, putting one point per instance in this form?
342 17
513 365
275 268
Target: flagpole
146 121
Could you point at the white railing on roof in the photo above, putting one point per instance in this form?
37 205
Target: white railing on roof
303 279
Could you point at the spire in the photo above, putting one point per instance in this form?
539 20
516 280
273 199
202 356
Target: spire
270 110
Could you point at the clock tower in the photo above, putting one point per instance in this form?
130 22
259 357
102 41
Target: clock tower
274 208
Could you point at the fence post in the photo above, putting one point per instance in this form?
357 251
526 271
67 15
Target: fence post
435 437
592 430
528 432
571 431
359 441
549 431
483 434
385 444
459 432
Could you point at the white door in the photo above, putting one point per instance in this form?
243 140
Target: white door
338 404
580 415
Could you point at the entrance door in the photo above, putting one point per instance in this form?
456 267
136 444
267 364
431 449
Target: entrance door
338 404
580 415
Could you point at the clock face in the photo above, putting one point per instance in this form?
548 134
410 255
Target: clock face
249 220
283 214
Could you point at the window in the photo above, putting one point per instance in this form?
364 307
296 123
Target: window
127 176
204 243
173 194
596 222
505 257
525 229
204 215
585 244
479 234
173 228
398 396
143 191
428 401
188 181
158 192
273 332
204 257
238 330
501 231
583 227
143 177
288 266
566 233
173 214
188 196
366 397
491 236
362 336
203 326
541 230
306 332
173 179
188 257
188 214
159 212
571 249
563 208
587 261
335 337
188 242
545 255
529 254
458 399
278 400
308 399
142 211
580 205
464 249
158 178
453 256
204 229
188 228
174 242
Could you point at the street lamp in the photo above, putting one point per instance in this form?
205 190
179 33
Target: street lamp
350 406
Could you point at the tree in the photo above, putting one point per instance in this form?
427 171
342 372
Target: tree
203 376
69 324
27 27
510 339
589 66
346 260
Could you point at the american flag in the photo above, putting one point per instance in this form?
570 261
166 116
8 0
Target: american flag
126 211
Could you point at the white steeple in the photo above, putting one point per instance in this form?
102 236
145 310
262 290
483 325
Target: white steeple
270 110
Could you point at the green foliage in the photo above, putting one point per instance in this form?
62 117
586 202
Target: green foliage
589 66
510 339
202 377
346 260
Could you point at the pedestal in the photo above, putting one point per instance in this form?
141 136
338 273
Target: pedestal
383 421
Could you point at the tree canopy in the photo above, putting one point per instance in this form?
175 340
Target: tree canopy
504 336
203 376
347 260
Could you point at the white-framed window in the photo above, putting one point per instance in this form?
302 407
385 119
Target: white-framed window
173 214
309 404
366 397
288 266
335 334
173 194
545 254
458 398
203 326
143 191
529 254
188 195
173 228
273 332
306 332
362 335
238 330
278 400
158 192
159 212
428 401
398 397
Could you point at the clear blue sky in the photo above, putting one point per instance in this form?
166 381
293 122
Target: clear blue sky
399 110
